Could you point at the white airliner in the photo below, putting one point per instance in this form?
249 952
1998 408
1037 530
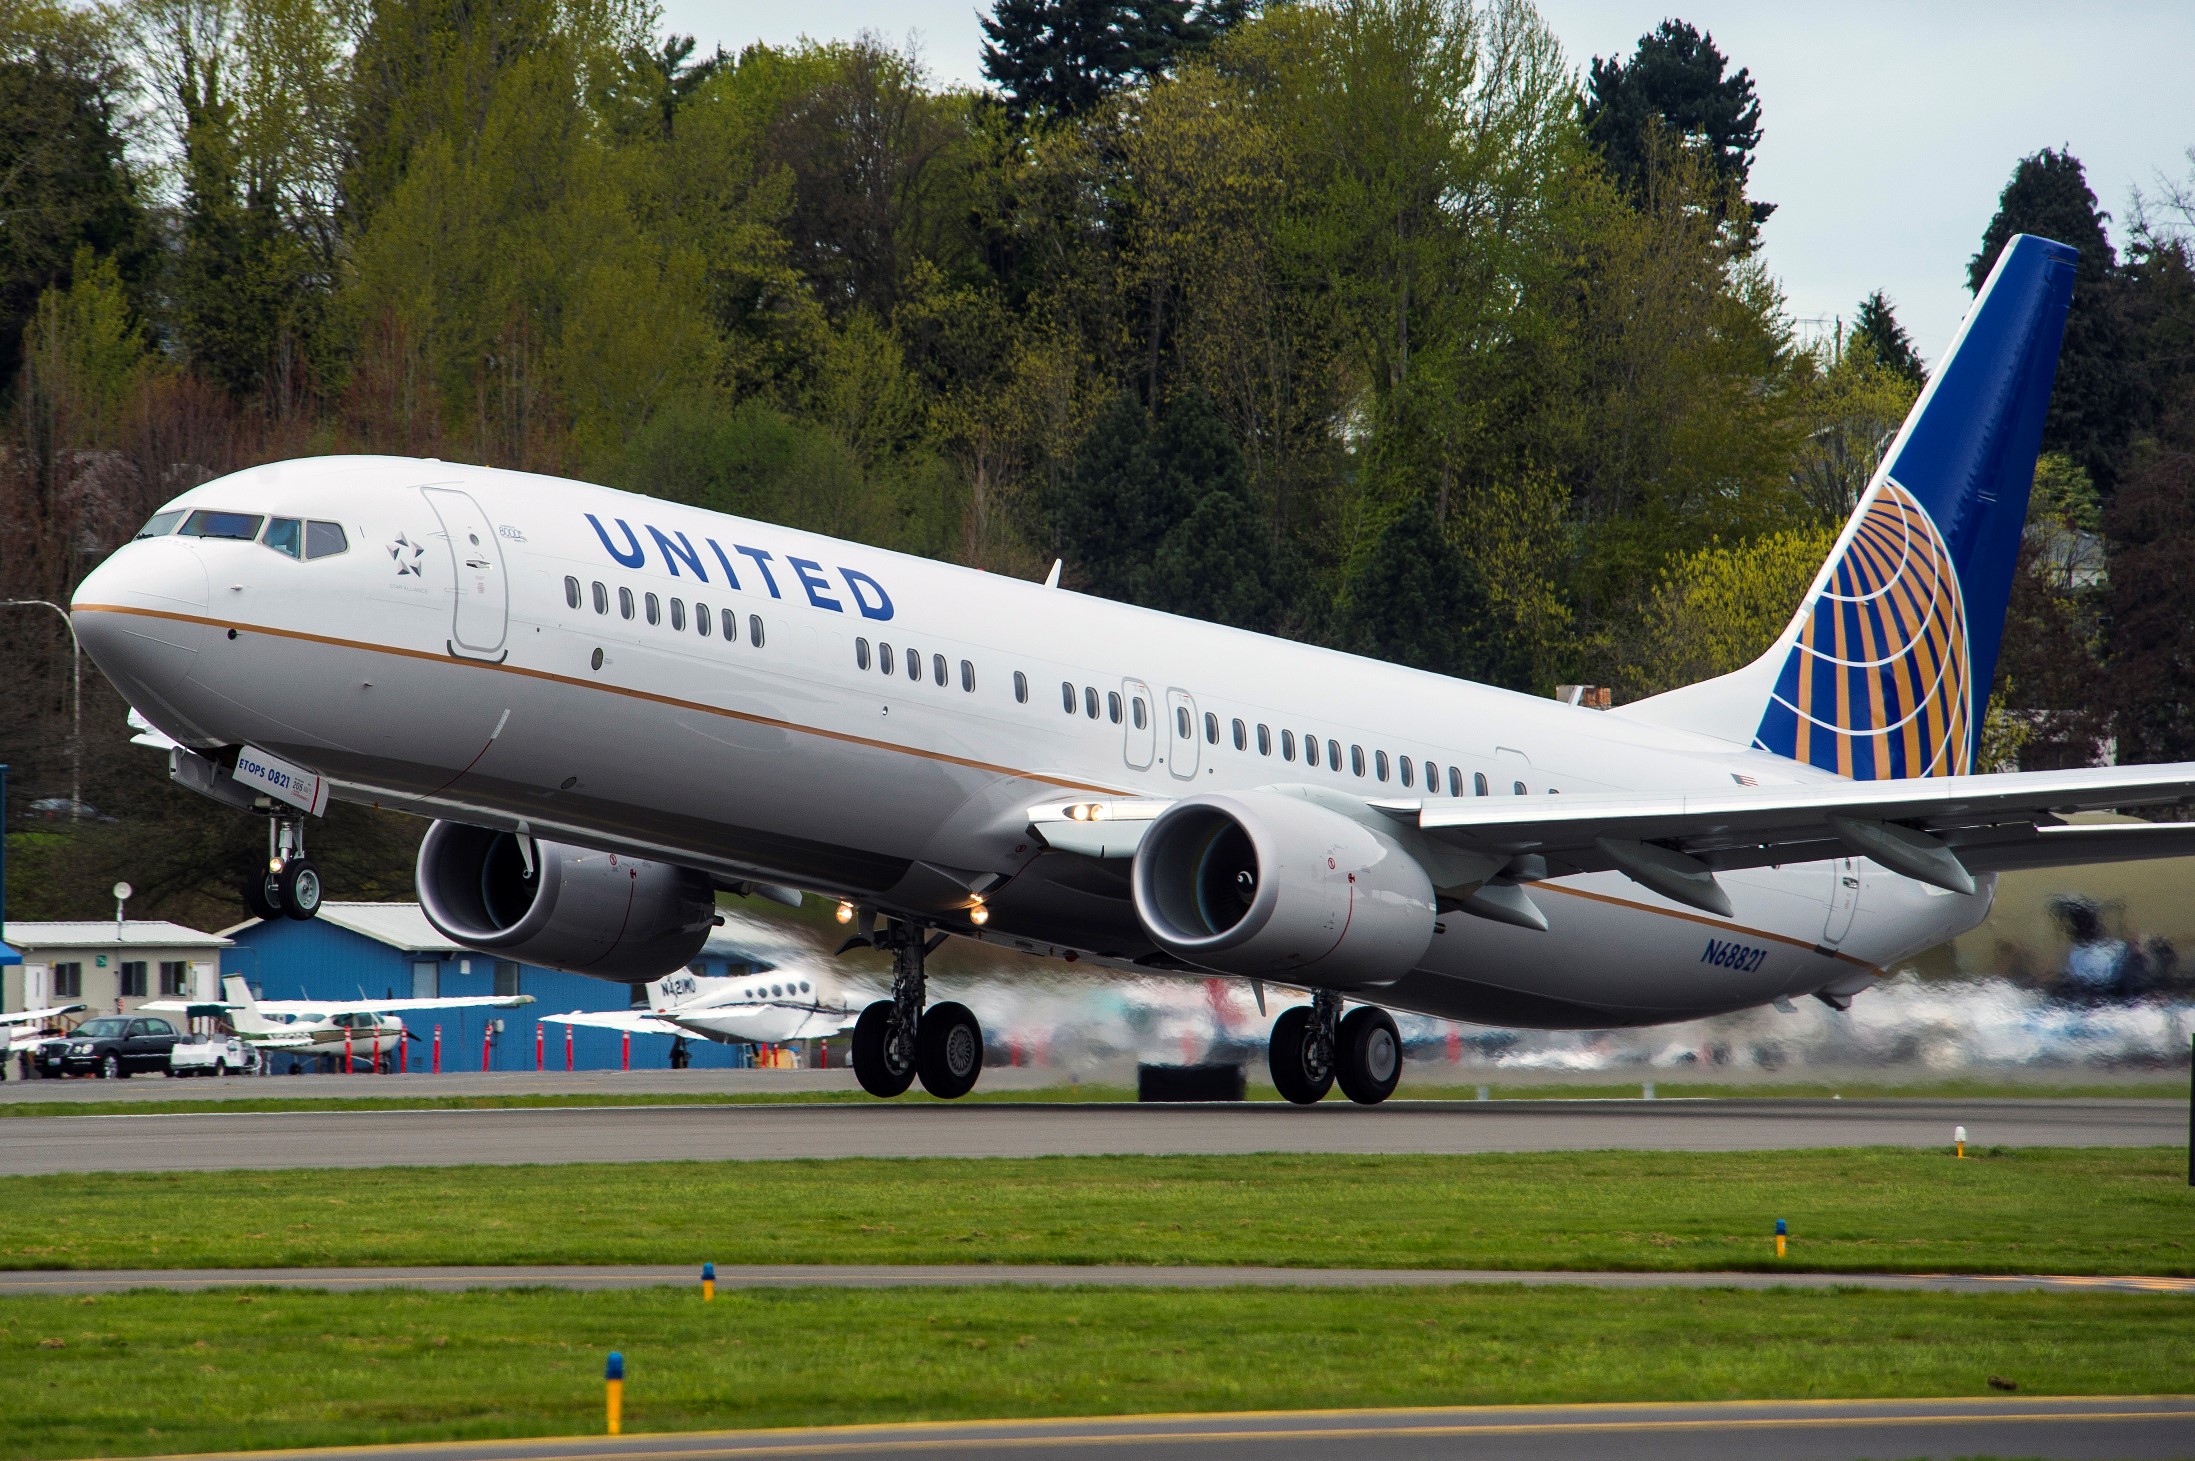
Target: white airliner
364 1031
784 994
615 707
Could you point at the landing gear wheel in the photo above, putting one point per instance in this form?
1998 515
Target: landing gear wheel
949 1050
262 897
876 1063
299 887
1297 1070
1368 1055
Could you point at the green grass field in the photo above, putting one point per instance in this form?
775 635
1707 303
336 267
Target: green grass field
2087 1210
149 1372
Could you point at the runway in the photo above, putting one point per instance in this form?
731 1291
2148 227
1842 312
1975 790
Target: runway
987 1275
337 1139
2076 1429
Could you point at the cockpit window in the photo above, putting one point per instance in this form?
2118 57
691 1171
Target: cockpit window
162 524
209 524
325 540
285 535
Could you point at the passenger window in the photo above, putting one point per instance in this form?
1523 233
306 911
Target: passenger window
601 599
1310 750
1242 736
325 540
655 609
1089 701
1333 756
1519 788
1287 745
1211 729
1142 717
1181 722
1021 688
1265 741
1402 765
861 654
701 620
730 625
285 535
625 603
1379 766
1478 782
1112 706
1067 697
914 664
1455 781
678 614
968 676
1356 760
571 592
754 630
937 668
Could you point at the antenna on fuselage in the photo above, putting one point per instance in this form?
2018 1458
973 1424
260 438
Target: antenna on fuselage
1051 580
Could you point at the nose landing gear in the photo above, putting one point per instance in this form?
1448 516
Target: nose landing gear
289 884
896 1040
1314 1047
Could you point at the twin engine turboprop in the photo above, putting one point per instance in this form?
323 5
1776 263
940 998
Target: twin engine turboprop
562 907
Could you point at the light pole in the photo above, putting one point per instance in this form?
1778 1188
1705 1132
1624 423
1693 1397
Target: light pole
76 698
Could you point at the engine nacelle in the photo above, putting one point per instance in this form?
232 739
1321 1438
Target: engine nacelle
1268 885
562 907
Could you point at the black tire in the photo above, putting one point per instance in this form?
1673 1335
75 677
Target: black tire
1291 1056
111 1068
220 1069
261 897
1367 1055
949 1051
874 1066
300 888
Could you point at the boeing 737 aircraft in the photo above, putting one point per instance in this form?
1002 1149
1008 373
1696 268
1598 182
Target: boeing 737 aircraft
615 707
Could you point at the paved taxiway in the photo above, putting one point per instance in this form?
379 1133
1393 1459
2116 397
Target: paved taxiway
336 1139
957 1275
2076 1429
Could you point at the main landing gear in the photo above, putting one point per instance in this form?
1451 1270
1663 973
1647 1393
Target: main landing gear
289 884
897 1040
1316 1046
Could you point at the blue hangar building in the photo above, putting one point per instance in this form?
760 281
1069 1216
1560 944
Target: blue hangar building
390 951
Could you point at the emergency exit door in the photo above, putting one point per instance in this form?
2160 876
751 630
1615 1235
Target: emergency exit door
481 616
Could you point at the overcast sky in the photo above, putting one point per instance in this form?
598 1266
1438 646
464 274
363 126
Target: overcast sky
1889 126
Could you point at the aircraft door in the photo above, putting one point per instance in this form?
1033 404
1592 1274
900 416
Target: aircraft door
1844 900
483 607
1142 725
1181 734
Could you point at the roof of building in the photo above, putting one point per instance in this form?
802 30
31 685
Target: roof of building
398 925
99 933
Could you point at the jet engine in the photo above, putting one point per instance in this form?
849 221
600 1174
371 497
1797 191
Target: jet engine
1265 884
562 907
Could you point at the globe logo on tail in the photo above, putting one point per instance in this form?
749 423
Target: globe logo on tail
1880 684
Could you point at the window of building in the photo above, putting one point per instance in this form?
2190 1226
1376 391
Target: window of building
1379 765
426 979
702 618
655 609
937 669
571 592
968 676
1265 741
1478 782
678 614
754 630
1356 760
506 979
624 603
729 622
1242 736
861 654
1139 714
1021 688
1067 697
1112 706
68 981
1211 729
133 979
325 540
1089 701
1310 750
601 598
285 535
175 977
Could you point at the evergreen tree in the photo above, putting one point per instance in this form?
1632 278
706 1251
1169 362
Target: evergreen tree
1876 330
2095 401
1063 56
2150 526
1674 81
1420 601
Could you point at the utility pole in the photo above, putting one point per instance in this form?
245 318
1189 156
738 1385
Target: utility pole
76 697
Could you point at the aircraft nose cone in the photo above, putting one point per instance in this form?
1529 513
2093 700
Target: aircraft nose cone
139 616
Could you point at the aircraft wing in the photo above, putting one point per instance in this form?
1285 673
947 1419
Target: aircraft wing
387 1006
638 1022
278 1041
33 1017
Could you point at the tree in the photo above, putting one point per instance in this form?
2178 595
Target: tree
1674 84
1876 330
2150 525
1061 57
1718 609
1419 601
2095 401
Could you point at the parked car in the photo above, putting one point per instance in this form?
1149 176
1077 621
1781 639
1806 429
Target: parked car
212 1055
114 1047
61 809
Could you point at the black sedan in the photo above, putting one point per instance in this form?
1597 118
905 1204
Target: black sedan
112 1046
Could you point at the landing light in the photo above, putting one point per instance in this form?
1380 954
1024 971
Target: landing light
845 912
274 864
979 915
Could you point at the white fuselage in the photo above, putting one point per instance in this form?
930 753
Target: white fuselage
439 666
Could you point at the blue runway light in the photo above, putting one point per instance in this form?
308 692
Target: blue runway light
615 1369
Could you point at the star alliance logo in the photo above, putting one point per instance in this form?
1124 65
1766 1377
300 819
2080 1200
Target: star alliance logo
407 555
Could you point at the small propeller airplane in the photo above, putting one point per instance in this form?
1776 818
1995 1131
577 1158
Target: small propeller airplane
23 1029
363 1029
784 992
